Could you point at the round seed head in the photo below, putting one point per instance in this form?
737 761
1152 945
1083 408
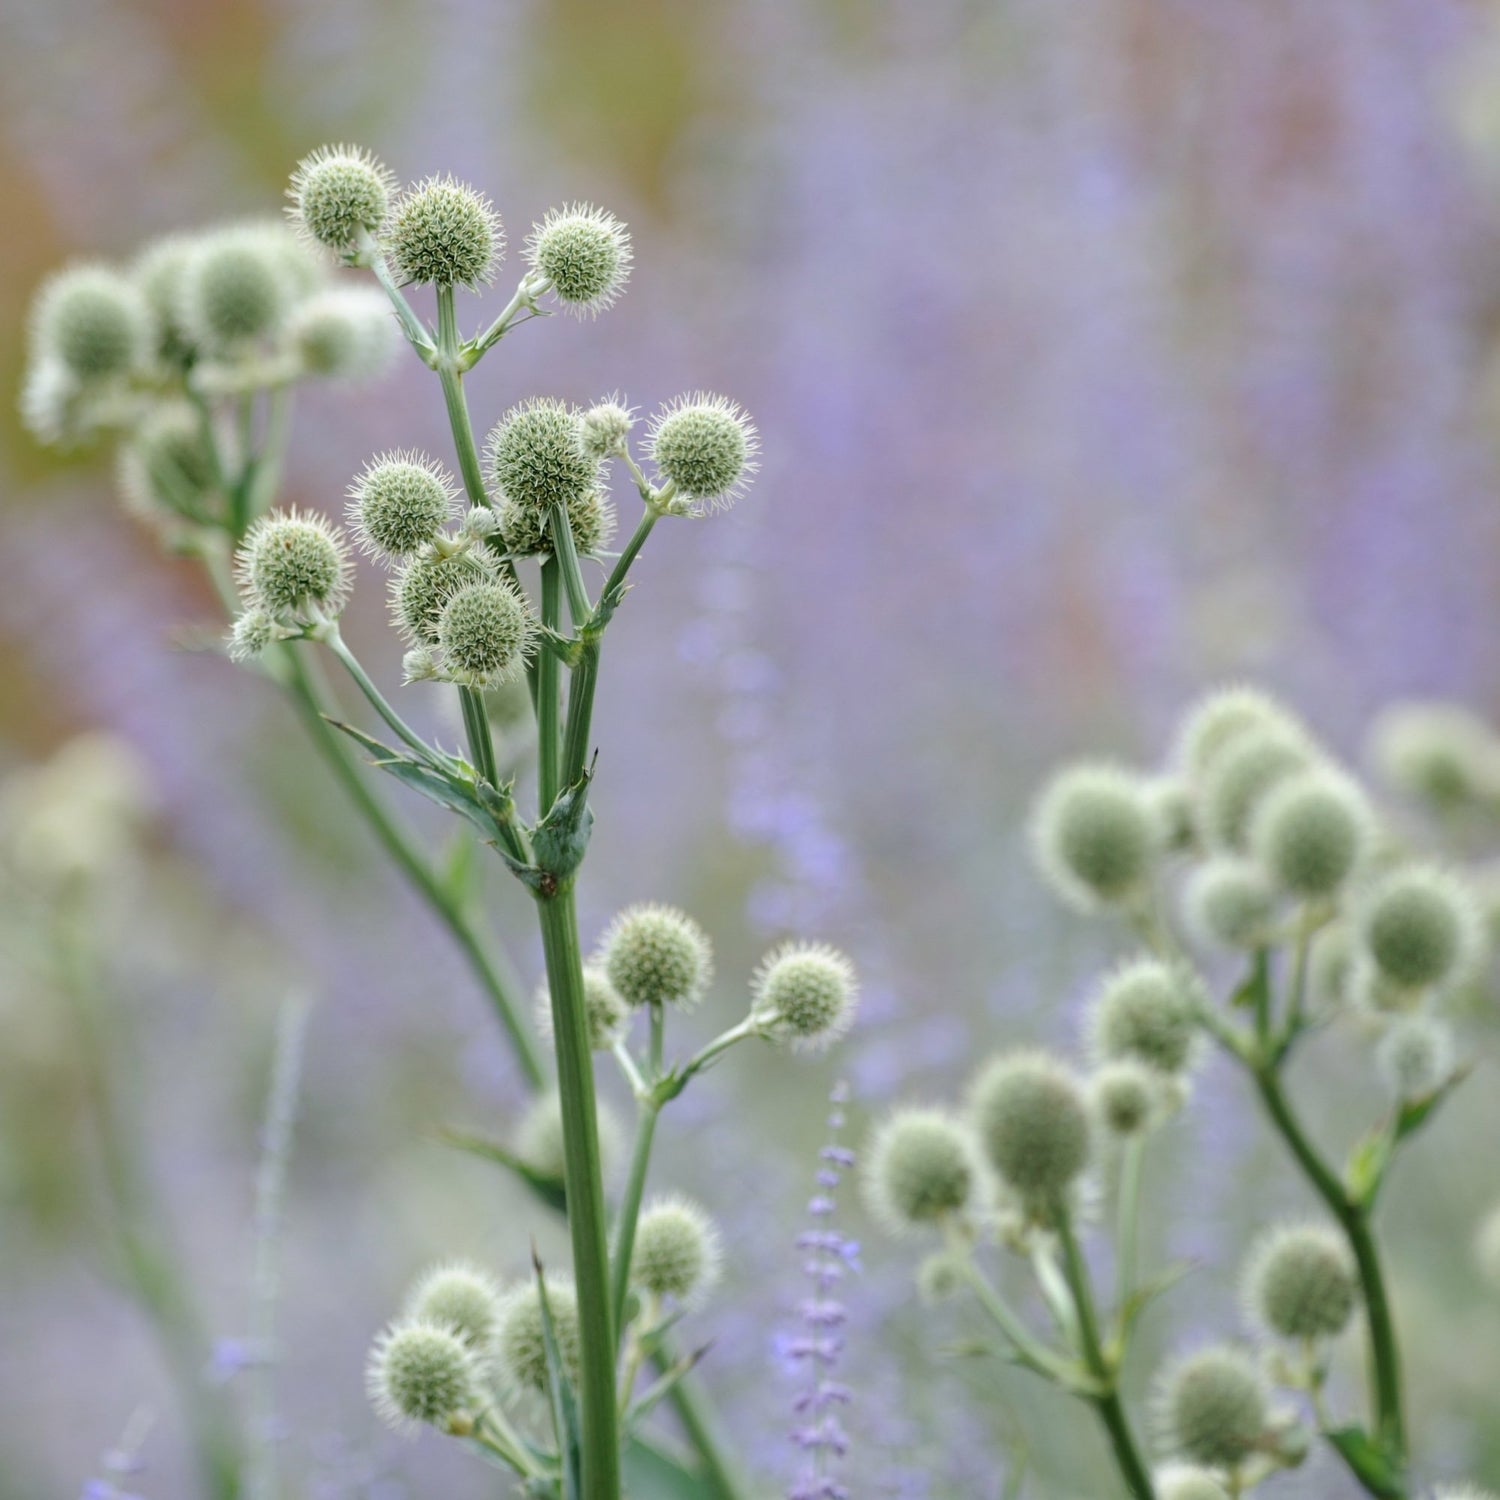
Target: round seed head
337 193
678 1252
521 1340
424 586
585 253
1147 1009
1093 835
1422 928
657 955
460 1297
237 287
1032 1120
706 446
293 562
159 271
539 1140
252 634
1415 1056
607 1013
1228 902
344 333
421 1373
443 231
91 322
399 502
804 994
166 464
1169 801
1127 1098
528 533
921 1166
941 1277
1312 831
537 459
1219 718
1299 1283
604 428
1240 777
1185 1482
1212 1407
1438 753
486 634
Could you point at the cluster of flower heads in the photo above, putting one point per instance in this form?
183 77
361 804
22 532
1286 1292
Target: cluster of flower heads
1258 839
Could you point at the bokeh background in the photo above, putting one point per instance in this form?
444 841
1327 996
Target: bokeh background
1101 351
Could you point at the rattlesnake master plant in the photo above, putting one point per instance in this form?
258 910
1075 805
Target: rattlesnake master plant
1284 876
187 361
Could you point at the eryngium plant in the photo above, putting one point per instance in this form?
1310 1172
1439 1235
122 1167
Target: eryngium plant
187 361
1253 850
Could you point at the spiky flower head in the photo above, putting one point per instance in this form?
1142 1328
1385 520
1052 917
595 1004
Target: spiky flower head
424 586
399 501
921 1167
804 994
1440 753
486 634
539 1139
1187 1482
1212 1407
1032 1119
1312 832
337 194
678 1251
1128 1097
1415 1056
1093 835
159 272
252 634
1147 1009
941 1276
537 458
1219 718
605 1011
421 1373
167 463
528 533
1241 776
521 1339
446 232
237 287
604 427
343 333
1299 1282
92 322
293 563
705 445
657 955
1169 801
1227 902
459 1296
1422 927
585 253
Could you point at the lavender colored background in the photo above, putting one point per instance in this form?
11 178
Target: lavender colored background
1101 351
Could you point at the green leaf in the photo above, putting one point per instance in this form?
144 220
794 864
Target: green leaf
650 1470
560 1388
1413 1115
1255 990
461 872
549 1189
562 837
1147 1293
1368 1160
1370 1463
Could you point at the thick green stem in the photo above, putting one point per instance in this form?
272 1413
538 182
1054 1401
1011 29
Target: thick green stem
585 1196
630 1209
453 397
548 699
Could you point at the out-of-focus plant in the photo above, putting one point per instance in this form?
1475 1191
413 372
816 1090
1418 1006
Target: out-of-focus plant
1253 843
188 360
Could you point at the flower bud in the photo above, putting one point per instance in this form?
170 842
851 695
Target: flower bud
458 1296
677 1251
479 523
399 502
486 634
537 459
585 253
521 1339
607 1013
1147 1009
424 586
1300 1283
159 271
1185 1482
657 955
1169 803
1239 778
337 193
293 562
1421 927
804 994
1032 1120
344 333
1212 1407
1218 719
1227 902
1415 1057
252 634
1312 832
1127 1098
603 428
92 322
419 1372
443 231
1093 836
941 1277
1438 753
236 288
706 446
920 1167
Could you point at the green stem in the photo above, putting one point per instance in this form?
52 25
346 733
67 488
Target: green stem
1128 1233
373 695
630 1209
453 397
632 549
411 325
548 700
696 1414
566 552
585 1196
481 741
1029 1349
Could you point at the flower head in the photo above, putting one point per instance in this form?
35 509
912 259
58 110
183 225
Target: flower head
1093 835
657 955
338 193
705 446
458 1296
292 563
521 1340
585 253
446 232
1147 1009
1212 1407
1300 1283
1422 928
92 322
421 1373
1033 1123
537 458
399 502
921 1166
804 994
678 1250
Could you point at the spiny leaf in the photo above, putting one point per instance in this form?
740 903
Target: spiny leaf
548 1188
